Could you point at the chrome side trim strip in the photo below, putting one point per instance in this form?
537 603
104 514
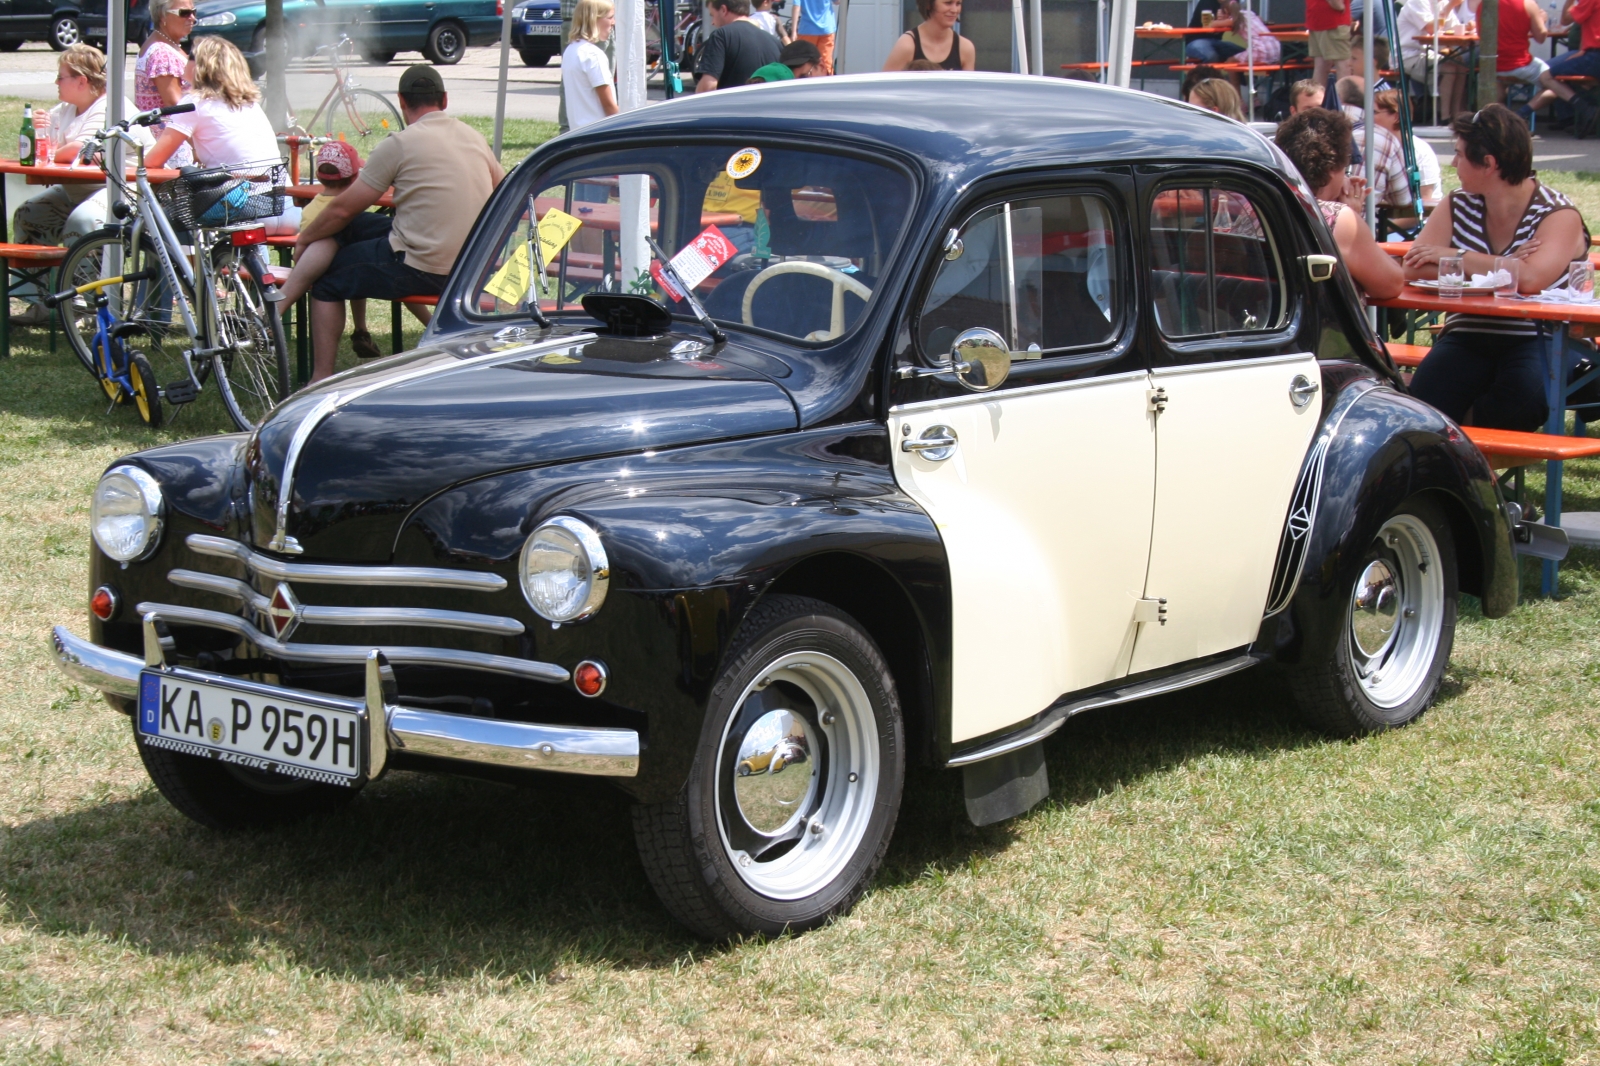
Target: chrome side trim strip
354 616
1056 716
351 653
597 751
86 662
1026 390
1230 364
324 574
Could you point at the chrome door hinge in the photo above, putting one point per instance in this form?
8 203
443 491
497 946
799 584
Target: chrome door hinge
1150 609
1158 399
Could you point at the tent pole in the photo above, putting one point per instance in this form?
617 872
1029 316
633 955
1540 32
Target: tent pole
1120 71
505 65
1036 21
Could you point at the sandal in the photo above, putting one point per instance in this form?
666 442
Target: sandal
364 346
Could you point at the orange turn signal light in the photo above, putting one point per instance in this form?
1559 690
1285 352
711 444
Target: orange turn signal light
104 603
589 678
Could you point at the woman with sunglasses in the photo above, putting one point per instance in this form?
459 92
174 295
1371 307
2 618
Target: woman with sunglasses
158 75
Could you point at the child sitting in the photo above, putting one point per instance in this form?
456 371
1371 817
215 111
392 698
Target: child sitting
338 162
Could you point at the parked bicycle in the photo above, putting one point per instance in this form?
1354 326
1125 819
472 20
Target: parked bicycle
349 113
181 272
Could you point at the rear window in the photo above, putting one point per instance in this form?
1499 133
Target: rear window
1216 269
787 241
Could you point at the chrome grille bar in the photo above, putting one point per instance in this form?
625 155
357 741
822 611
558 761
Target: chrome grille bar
325 574
353 616
342 653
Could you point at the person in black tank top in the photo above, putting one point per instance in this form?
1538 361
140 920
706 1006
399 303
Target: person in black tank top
939 17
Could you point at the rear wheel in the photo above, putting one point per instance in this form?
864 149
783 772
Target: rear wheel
149 305
253 377
381 57
1393 625
364 118
220 796
447 43
65 32
796 784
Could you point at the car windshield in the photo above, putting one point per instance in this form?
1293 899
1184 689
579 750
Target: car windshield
787 241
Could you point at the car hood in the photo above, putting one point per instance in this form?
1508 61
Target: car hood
364 448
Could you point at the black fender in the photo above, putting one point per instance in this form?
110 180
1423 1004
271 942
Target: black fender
694 537
1376 449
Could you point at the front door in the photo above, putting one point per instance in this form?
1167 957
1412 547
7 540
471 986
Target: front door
1239 407
1044 501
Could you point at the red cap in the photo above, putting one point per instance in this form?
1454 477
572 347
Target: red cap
340 157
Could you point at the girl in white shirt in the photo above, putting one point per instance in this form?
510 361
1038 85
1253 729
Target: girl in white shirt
585 73
227 127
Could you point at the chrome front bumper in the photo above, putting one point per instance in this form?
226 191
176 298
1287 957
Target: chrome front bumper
603 752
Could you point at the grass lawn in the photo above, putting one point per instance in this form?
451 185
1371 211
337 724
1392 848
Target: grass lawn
1208 882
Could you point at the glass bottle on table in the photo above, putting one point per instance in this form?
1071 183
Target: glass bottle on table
25 138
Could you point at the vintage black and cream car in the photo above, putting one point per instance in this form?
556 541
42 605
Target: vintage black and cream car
854 422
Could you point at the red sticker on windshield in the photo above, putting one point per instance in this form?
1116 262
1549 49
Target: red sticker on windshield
696 261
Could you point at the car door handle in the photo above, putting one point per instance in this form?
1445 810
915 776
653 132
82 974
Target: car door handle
1301 389
936 443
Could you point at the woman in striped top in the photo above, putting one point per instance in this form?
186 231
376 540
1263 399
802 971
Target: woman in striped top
1494 367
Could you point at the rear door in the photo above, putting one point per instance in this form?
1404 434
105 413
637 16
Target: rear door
1044 502
1239 407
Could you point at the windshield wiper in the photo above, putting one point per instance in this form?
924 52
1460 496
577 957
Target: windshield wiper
688 293
535 266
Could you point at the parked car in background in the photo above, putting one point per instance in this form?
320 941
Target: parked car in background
441 30
63 24
940 428
536 31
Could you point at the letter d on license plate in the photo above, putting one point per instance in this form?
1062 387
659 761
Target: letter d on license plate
261 727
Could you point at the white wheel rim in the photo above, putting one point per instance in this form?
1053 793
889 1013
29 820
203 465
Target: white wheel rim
1396 613
831 806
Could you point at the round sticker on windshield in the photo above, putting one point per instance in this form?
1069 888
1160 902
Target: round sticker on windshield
743 163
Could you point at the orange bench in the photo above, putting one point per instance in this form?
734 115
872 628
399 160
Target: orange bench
32 263
1408 356
1506 448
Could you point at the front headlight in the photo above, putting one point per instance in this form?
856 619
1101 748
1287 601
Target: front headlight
126 514
221 18
564 570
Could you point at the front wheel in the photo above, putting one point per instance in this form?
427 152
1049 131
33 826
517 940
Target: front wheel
447 43
537 55
149 305
1393 627
65 32
796 783
363 118
253 375
146 392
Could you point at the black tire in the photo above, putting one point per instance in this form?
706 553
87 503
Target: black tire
164 338
11 45
146 390
447 43
842 819
534 55
252 379
65 31
379 57
220 796
1382 663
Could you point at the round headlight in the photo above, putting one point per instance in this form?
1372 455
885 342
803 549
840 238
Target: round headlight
126 513
564 570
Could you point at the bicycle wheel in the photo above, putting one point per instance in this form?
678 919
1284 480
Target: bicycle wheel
146 392
253 377
148 304
363 118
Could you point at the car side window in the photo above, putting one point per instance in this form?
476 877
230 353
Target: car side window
1041 272
1216 269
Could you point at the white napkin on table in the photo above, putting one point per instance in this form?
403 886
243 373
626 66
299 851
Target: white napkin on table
1492 280
1563 295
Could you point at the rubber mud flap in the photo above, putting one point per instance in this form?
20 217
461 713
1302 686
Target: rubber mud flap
1006 785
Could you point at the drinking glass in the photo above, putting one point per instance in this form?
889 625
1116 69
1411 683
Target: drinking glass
1452 276
1206 18
1580 279
1508 274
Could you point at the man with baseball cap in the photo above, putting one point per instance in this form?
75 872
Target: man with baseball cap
442 172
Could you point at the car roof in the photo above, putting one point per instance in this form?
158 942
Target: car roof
973 123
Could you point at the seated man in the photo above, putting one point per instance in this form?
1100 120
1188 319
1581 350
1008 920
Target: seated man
1390 181
337 164
442 172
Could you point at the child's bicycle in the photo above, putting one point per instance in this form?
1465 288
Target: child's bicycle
124 373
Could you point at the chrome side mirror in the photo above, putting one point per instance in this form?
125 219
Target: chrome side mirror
953 246
981 359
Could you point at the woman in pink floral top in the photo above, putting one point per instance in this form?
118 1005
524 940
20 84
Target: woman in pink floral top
158 75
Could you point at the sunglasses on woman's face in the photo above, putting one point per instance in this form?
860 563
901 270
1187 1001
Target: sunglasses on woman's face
186 13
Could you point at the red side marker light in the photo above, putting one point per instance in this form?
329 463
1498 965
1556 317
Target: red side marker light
104 603
589 678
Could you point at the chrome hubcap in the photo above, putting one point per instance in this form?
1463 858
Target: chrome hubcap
797 774
1396 611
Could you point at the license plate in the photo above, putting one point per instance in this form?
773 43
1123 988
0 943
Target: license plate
255 726
540 28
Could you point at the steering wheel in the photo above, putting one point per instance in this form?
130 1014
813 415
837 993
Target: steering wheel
842 283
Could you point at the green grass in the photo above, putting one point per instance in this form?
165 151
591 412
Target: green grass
1208 882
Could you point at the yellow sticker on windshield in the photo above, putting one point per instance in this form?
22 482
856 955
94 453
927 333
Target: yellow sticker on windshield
743 163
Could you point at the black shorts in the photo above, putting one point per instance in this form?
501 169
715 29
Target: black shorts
368 268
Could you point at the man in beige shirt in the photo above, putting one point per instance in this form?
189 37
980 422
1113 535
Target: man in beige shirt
442 172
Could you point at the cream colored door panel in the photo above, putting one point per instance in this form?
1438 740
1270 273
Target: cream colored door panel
1044 505
1229 445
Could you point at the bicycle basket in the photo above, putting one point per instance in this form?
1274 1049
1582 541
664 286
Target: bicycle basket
221 196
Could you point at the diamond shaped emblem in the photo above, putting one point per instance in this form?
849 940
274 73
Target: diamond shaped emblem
282 613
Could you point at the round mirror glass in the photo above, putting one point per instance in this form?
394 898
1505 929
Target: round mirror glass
981 359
